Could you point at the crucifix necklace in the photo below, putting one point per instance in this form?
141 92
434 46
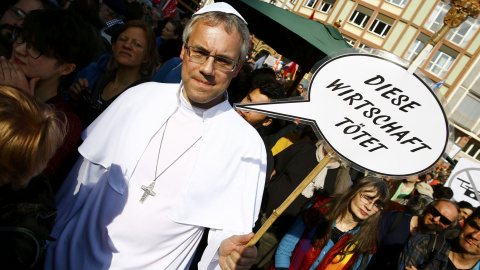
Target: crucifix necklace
148 191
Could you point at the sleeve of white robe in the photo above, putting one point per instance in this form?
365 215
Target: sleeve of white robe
75 190
209 260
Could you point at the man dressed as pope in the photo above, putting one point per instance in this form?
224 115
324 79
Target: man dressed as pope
164 162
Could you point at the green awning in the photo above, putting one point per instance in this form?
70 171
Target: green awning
301 40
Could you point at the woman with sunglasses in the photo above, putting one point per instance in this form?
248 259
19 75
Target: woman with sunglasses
338 232
48 49
132 63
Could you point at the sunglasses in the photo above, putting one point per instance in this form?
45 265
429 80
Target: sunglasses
445 221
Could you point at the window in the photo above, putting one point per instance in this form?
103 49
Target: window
292 2
381 25
468 112
442 61
326 6
360 16
472 149
365 48
435 22
416 47
310 3
349 40
400 3
462 34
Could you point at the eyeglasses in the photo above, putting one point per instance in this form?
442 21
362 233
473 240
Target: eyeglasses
19 38
17 13
366 200
445 221
200 56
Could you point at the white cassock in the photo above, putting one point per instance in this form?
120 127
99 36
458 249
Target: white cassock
217 183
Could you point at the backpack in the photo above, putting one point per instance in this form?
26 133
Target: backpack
435 244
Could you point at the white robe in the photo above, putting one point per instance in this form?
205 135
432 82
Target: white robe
223 191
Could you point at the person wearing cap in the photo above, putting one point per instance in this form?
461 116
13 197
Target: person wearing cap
164 162
111 14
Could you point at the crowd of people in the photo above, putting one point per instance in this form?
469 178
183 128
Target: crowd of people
120 148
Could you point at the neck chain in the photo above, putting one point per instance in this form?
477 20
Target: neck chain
148 191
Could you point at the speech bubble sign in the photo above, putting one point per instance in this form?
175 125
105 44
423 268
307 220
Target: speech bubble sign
371 112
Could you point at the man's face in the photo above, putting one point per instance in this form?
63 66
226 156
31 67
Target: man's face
469 238
254 118
437 219
204 85
168 32
464 214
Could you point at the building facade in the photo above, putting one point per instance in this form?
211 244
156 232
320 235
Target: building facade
403 27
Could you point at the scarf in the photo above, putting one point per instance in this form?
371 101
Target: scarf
319 180
331 261
308 252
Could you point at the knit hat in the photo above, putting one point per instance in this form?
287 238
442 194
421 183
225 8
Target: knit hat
424 189
221 7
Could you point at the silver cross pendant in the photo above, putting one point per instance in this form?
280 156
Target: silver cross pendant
148 192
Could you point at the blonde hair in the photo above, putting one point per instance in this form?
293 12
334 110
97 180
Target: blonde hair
30 133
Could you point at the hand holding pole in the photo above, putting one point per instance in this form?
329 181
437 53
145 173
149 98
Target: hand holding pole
277 212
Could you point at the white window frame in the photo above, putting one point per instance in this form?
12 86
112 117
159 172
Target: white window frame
471 25
435 21
323 4
467 115
349 40
414 49
443 68
292 2
384 31
365 47
310 1
398 3
354 17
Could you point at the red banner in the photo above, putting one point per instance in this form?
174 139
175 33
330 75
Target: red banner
169 8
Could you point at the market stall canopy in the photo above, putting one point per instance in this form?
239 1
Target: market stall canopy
301 40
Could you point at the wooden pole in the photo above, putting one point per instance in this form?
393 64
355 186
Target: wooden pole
277 212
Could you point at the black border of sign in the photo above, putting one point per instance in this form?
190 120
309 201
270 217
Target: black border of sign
317 128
